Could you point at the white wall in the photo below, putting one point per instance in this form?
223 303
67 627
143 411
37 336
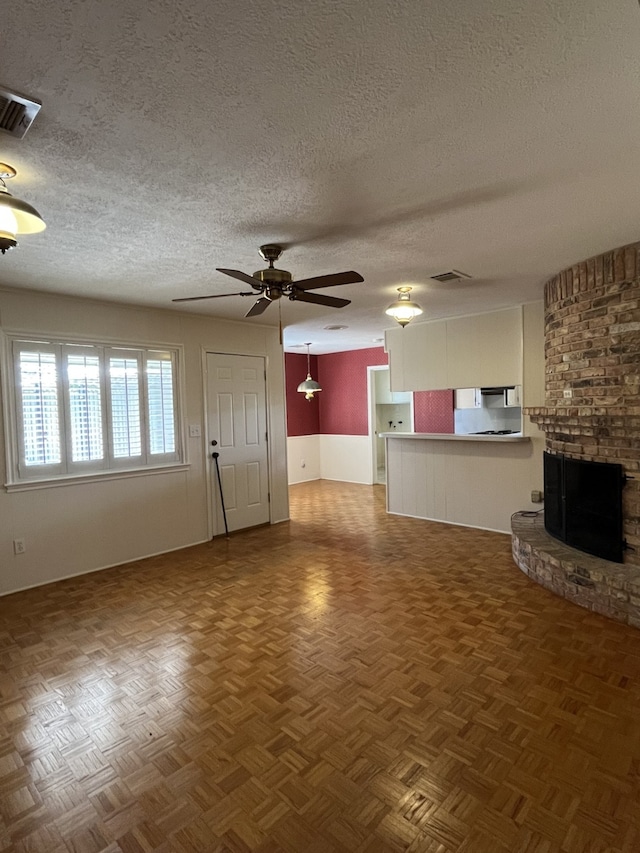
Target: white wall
75 528
533 372
347 458
303 458
533 366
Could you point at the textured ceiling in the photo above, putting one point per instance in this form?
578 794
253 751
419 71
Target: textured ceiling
498 137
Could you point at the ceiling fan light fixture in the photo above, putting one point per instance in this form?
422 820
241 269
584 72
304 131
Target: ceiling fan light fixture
309 386
403 310
16 216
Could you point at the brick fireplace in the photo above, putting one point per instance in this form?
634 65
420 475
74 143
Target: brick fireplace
592 412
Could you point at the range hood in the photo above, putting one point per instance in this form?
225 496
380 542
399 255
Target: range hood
496 390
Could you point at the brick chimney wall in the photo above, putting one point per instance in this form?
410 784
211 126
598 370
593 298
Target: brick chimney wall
592 370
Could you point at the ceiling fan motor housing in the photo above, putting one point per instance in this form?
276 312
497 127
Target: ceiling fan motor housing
274 276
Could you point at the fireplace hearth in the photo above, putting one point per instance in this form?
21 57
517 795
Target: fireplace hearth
611 589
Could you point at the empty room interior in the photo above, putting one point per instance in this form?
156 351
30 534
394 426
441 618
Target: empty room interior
320 427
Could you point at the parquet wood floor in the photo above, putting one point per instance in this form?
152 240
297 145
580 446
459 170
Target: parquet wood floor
348 682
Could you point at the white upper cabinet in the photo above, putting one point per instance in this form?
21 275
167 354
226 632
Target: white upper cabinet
513 397
418 357
464 352
468 398
485 350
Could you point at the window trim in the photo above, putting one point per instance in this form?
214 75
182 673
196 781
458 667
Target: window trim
94 477
42 476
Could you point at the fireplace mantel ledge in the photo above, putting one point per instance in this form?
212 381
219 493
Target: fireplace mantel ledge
563 412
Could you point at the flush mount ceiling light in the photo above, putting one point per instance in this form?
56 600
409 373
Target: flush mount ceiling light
403 310
309 386
16 216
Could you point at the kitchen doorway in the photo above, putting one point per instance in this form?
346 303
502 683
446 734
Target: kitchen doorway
389 411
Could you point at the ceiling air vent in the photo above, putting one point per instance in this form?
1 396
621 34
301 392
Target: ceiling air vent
16 113
451 275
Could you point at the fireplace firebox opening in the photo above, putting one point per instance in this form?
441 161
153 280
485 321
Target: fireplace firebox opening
583 504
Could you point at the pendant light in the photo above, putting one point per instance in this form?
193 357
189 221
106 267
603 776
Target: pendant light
16 216
403 310
309 386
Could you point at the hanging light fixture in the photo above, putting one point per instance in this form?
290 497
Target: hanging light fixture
16 216
309 386
403 310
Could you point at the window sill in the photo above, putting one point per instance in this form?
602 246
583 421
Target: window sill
95 477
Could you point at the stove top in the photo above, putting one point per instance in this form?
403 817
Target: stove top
495 432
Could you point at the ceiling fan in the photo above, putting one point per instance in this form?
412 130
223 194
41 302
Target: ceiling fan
273 283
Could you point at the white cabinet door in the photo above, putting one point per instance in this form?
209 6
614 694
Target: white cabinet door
485 350
468 398
512 397
418 357
481 350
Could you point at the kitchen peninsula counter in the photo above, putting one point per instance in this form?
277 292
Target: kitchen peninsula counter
472 480
449 436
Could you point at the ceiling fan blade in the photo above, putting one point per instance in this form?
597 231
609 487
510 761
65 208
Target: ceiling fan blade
243 276
349 277
319 299
212 296
258 307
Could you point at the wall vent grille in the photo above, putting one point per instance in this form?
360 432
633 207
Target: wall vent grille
16 113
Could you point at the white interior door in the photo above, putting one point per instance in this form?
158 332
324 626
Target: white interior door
237 421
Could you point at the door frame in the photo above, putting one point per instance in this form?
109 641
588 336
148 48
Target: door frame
371 407
212 532
371 414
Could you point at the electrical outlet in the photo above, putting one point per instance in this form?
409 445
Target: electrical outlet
303 464
19 546
194 430
536 496
567 392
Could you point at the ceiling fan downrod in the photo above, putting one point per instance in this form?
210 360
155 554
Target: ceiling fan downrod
272 276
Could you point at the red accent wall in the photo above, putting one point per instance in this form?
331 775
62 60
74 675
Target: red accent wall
433 411
303 416
341 408
343 376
